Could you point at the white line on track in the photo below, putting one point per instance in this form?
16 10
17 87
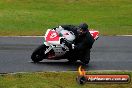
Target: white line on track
67 71
123 35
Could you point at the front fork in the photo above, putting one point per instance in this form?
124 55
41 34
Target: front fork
50 53
47 50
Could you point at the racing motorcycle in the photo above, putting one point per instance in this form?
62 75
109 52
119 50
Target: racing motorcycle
55 45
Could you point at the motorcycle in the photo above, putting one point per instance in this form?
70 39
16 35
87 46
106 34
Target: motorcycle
55 46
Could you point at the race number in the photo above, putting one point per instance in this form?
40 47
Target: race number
53 35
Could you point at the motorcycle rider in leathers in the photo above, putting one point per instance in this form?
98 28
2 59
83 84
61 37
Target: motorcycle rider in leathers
83 42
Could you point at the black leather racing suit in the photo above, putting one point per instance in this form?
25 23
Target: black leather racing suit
83 43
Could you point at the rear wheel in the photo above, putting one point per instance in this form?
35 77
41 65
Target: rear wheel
38 54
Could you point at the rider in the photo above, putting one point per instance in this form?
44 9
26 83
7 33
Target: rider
83 37
83 40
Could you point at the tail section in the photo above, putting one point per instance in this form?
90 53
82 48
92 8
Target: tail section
94 33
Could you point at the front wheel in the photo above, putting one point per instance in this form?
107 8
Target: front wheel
38 54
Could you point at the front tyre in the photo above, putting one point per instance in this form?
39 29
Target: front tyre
38 54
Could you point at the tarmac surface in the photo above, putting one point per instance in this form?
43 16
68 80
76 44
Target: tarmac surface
108 53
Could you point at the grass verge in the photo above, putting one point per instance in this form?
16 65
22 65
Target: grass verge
33 17
53 80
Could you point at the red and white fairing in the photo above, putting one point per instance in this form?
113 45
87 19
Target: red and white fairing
53 37
94 33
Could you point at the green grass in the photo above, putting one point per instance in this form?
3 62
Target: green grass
33 17
54 80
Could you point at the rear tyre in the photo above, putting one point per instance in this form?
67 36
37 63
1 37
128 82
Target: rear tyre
38 54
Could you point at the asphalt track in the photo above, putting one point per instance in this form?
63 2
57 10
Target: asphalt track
108 53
